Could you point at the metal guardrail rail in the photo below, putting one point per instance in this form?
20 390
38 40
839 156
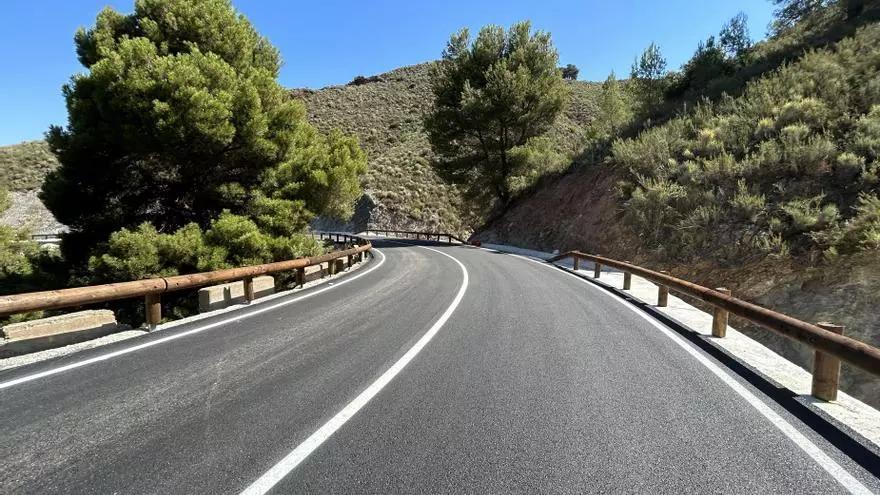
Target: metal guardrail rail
411 234
153 288
829 344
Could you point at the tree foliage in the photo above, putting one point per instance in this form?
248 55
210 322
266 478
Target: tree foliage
492 94
179 117
570 72
648 73
734 38
615 110
790 12
231 240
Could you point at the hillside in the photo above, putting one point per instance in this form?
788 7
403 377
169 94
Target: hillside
23 166
22 169
385 112
774 194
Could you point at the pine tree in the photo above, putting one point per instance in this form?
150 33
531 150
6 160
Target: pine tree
180 117
492 94
647 73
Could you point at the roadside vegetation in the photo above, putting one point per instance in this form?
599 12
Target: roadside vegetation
23 265
788 168
182 153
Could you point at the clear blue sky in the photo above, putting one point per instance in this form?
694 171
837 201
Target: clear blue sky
329 42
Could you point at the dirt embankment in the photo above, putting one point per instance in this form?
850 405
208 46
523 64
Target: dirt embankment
581 211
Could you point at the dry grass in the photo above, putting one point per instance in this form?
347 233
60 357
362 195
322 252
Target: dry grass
23 166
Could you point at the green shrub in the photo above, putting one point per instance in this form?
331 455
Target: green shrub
774 171
532 161
652 207
747 206
862 231
231 241
810 214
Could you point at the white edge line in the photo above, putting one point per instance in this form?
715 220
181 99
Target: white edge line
275 474
840 474
235 317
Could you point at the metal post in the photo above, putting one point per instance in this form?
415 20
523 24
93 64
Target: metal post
719 318
153 310
826 369
249 289
662 294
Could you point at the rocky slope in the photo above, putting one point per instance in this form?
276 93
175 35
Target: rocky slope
385 112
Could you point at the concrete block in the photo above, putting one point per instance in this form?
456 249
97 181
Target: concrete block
57 331
71 322
316 272
223 295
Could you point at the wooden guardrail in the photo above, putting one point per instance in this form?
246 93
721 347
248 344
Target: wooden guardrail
827 340
152 289
411 234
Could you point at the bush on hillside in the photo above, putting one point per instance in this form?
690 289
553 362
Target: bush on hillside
360 80
777 169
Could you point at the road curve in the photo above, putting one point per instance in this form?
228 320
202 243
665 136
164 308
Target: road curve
521 379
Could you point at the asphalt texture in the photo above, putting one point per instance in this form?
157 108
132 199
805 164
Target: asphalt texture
537 382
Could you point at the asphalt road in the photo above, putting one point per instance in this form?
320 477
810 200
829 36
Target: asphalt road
441 370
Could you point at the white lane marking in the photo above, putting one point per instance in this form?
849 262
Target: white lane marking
236 318
840 474
265 482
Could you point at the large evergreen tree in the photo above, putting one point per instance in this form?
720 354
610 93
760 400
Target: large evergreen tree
492 94
179 117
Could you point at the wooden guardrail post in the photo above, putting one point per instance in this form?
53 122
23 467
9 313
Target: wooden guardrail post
662 294
300 276
597 270
719 317
627 279
348 259
331 267
153 310
826 369
249 289
576 263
